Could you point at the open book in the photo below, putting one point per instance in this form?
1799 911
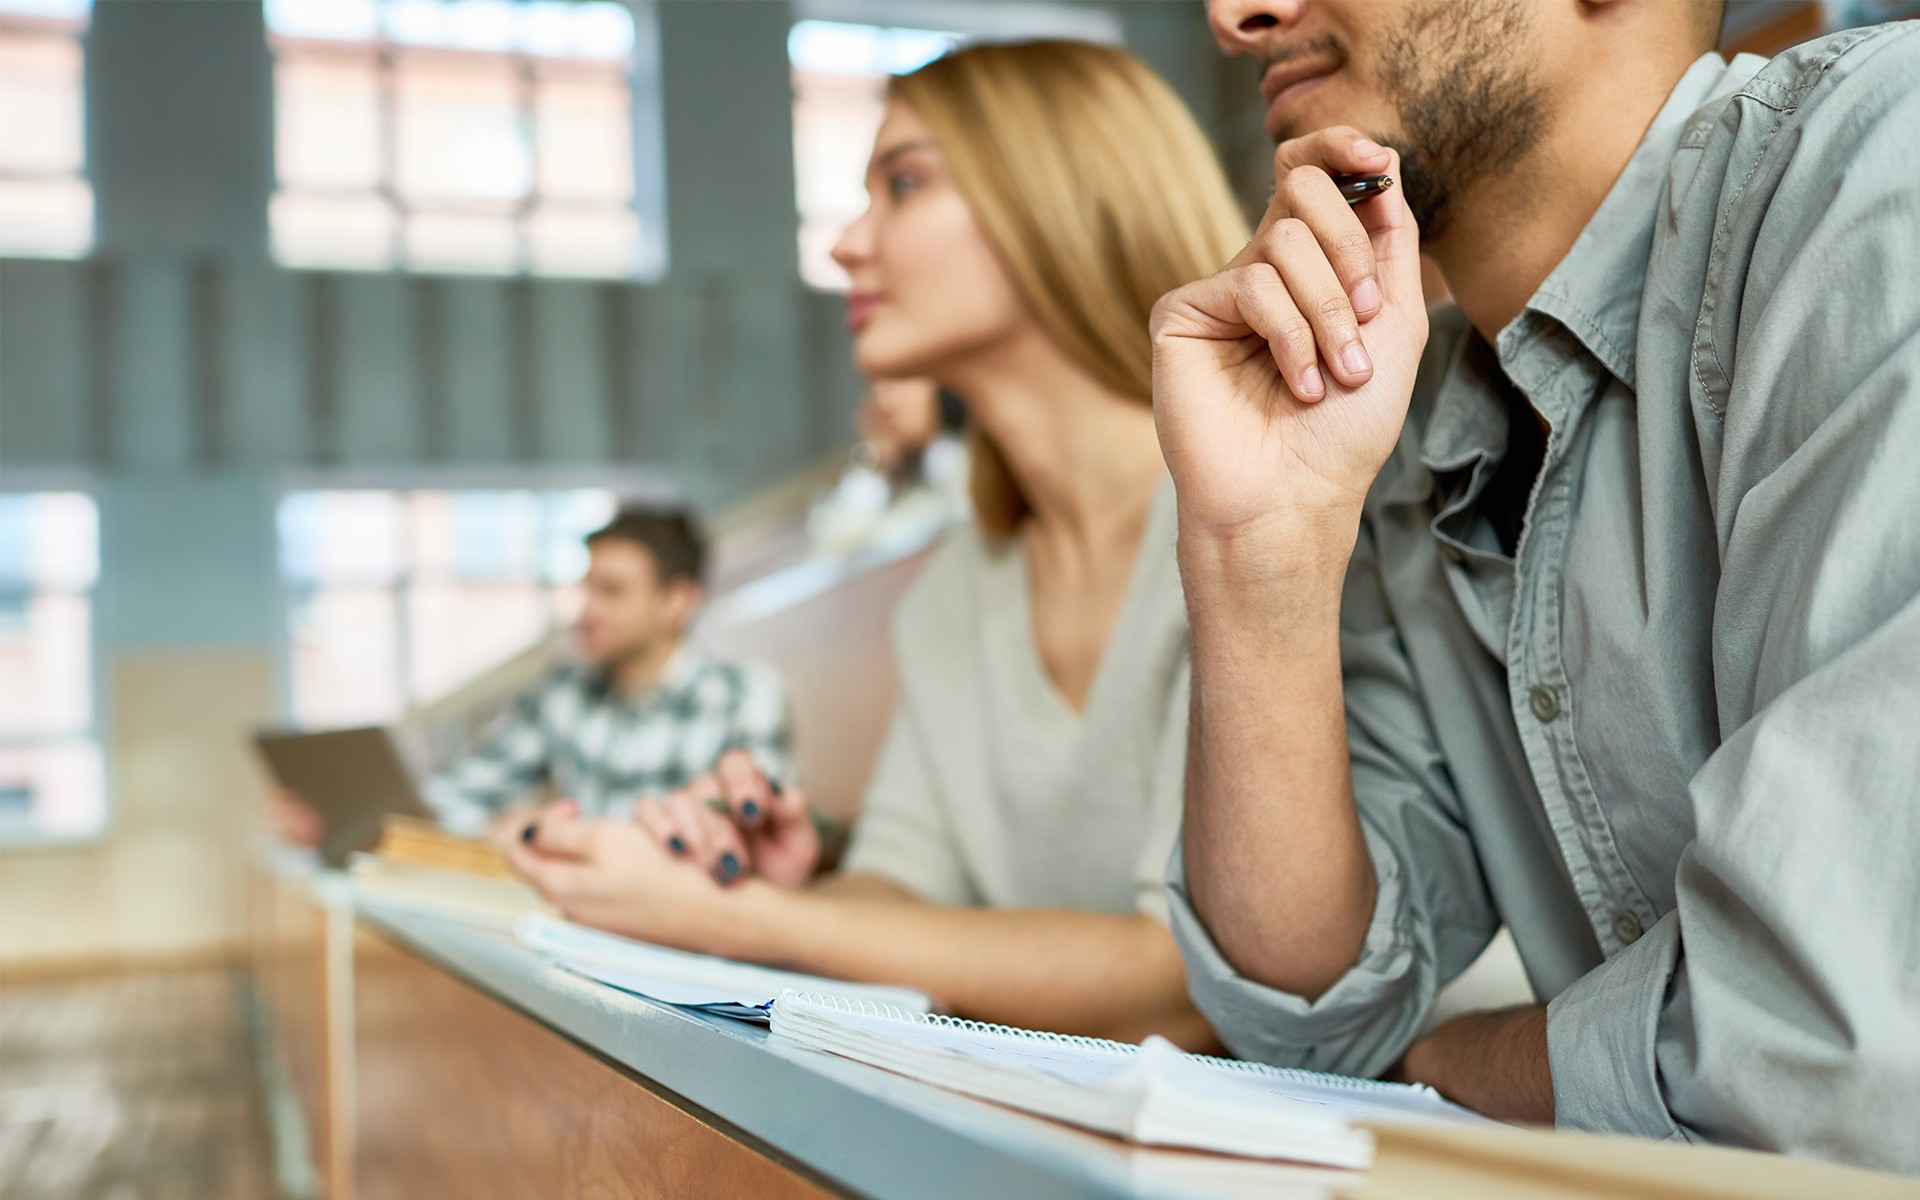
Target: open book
717 985
1154 1093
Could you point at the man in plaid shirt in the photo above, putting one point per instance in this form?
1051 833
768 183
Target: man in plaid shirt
644 714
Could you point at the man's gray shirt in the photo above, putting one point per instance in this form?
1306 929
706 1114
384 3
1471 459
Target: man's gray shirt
1674 743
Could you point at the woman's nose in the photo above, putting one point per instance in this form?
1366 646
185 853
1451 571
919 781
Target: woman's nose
856 244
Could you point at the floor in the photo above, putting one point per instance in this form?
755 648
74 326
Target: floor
130 1087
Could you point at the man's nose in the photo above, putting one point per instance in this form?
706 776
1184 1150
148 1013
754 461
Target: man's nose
1241 25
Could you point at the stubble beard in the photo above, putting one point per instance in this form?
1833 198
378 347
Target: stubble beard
1469 109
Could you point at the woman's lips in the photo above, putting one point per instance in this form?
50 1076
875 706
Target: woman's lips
860 306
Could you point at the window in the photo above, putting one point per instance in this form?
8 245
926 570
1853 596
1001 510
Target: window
46 203
841 54
52 785
395 598
489 136
839 97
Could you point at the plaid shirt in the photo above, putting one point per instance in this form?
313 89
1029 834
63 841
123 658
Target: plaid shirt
577 737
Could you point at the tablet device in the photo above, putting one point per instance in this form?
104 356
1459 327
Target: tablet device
351 777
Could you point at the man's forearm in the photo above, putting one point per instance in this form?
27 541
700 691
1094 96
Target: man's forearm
1276 863
1089 973
1495 1063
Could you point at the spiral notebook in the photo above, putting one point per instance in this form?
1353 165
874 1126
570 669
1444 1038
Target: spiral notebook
1153 1093
716 985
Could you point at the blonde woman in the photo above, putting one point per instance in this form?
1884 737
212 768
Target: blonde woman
1029 203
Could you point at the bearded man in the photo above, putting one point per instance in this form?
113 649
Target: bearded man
1593 607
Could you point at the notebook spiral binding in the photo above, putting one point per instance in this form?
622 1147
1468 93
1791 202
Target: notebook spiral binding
867 1008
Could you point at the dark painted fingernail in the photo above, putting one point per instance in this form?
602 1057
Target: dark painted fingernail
676 845
750 809
729 865
526 835
773 785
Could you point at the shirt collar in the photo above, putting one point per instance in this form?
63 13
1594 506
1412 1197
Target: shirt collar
1595 291
680 670
1593 294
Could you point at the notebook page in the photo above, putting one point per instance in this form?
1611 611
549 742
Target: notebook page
675 973
1079 1061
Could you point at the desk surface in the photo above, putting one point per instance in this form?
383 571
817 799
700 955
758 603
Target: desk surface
854 1128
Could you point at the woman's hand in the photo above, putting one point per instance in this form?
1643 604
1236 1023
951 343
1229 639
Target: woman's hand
510 827
613 875
293 820
1280 384
766 830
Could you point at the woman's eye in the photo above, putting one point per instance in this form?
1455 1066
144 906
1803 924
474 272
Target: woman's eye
901 186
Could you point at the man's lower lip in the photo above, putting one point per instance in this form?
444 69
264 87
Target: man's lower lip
1292 92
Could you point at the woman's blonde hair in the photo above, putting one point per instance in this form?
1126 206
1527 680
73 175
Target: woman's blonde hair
1099 193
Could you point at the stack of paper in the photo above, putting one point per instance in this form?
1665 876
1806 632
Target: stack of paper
437 892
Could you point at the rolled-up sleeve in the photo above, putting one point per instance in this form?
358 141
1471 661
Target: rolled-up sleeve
1432 913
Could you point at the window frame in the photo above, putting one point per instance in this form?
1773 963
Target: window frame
386 58
628 487
76 30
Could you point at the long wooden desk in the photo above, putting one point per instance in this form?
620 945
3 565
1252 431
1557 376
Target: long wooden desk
434 1059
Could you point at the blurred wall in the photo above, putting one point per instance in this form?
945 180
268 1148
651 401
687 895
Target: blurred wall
181 376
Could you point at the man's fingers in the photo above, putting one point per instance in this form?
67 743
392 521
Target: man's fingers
1317 293
1337 150
1314 200
1261 299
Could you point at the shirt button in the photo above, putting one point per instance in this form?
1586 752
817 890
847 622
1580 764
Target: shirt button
1545 705
1626 927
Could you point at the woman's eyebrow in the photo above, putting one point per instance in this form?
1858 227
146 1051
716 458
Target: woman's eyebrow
881 160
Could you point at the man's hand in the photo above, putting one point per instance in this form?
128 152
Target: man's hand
1280 384
1279 388
767 830
1495 1063
612 874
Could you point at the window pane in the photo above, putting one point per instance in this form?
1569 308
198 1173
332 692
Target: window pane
357 537
40 129
459 129
445 242
46 218
458 631
56 790
64 547
835 118
46 664
348 20
571 516
327 231
327 122
583 241
345 658
584 131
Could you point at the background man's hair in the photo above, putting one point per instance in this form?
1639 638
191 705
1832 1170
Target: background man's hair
672 536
